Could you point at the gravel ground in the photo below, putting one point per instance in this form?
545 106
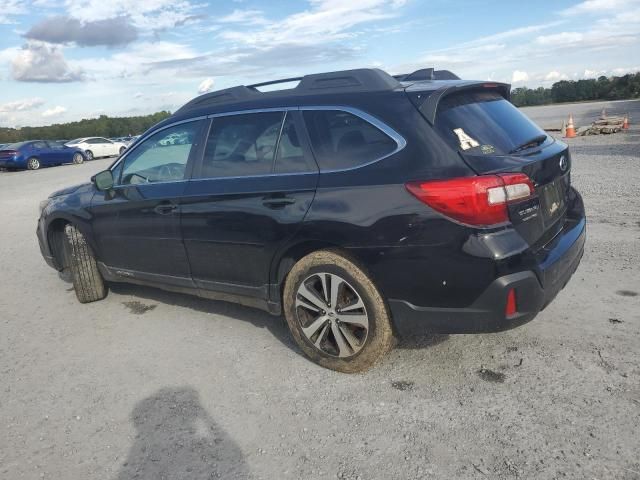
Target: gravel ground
148 384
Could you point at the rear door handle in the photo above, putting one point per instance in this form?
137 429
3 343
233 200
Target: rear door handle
278 202
165 208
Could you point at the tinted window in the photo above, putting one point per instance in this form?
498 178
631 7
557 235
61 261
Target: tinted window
343 140
156 160
241 145
39 145
55 145
15 146
290 157
484 123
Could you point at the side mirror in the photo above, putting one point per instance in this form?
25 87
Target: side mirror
103 180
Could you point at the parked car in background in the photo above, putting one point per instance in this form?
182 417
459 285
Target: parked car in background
34 154
95 147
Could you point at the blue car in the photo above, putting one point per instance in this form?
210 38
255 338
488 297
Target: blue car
34 154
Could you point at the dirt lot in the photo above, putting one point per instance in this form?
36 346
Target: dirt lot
147 384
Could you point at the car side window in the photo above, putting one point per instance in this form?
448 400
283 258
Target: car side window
157 160
290 157
38 145
241 145
342 140
55 145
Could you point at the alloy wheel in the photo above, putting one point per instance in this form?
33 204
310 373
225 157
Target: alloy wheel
33 164
77 158
89 155
332 315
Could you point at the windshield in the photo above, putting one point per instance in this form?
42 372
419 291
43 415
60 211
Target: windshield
485 123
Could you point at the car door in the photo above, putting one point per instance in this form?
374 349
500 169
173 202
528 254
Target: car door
137 223
100 147
110 148
58 153
42 152
240 206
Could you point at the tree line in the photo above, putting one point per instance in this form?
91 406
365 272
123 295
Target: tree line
603 88
102 126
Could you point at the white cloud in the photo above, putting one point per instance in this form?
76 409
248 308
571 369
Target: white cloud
54 112
10 8
562 39
40 62
21 105
325 21
144 14
555 76
246 17
519 76
599 6
206 85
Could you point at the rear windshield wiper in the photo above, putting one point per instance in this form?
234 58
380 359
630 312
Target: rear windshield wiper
534 142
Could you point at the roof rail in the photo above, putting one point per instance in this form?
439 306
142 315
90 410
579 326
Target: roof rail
426 74
347 81
275 82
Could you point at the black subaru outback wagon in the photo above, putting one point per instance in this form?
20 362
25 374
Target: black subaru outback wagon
357 204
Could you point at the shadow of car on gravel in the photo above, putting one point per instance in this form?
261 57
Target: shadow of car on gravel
177 438
276 325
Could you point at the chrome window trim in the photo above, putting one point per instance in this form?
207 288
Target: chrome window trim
401 143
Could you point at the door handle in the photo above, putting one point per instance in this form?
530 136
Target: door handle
278 202
165 208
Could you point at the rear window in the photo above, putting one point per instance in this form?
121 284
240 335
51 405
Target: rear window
343 140
484 123
14 146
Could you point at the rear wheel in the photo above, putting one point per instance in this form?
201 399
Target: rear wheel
89 154
33 163
87 281
335 313
78 158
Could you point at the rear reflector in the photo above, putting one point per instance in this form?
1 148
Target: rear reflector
477 201
512 308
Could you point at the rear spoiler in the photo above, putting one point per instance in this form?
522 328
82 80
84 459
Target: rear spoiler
429 106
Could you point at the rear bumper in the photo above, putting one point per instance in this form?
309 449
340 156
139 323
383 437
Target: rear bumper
534 291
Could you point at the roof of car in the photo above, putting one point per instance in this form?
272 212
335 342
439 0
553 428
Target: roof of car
317 89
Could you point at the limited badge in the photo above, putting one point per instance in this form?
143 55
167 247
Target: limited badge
488 149
466 142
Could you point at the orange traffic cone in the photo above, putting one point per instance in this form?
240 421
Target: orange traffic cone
625 124
571 129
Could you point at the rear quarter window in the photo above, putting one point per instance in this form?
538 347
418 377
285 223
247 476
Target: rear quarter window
342 140
483 123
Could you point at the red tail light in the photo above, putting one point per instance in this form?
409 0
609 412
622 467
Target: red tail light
478 201
512 308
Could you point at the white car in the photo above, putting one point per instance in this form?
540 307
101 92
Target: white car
95 147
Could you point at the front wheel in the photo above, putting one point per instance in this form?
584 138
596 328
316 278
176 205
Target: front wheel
87 281
89 154
78 158
335 313
33 163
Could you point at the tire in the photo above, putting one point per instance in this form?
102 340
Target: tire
122 150
33 164
86 278
358 300
89 155
78 158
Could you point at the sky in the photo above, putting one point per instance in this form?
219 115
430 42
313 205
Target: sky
66 60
